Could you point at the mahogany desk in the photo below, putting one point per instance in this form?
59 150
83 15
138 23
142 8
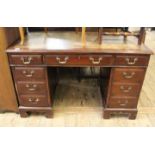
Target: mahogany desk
29 62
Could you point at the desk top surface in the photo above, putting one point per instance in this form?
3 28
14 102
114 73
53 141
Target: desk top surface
70 42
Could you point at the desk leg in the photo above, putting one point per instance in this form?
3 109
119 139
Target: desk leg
133 115
49 114
23 113
106 115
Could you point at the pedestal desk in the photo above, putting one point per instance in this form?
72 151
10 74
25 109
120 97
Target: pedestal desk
29 62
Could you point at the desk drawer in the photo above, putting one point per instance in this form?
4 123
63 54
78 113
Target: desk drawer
31 87
115 102
25 59
29 73
130 75
132 60
61 60
125 90
33 101
95 60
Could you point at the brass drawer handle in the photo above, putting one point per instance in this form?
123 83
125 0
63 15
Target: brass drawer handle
130 61
26 60
128 75
28 74
34 100
31 87
62 62
126 90
123 104
95 62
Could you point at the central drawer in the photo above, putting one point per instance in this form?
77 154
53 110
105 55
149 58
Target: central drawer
59 60
125 89
31 87
97 60
79 60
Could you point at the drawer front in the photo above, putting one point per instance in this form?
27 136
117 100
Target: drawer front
132 60
115 102
31 88
25 59
95 60
29 73
125 90
33 101
131 75
90 60
61 60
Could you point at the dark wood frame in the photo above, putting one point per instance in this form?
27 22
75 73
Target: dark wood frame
125 33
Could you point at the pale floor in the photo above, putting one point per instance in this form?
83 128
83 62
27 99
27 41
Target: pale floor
67 112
